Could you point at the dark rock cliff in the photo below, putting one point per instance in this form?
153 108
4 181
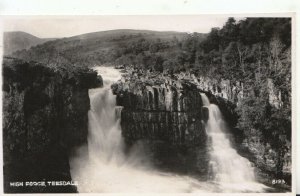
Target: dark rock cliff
167 115
163 112
44 117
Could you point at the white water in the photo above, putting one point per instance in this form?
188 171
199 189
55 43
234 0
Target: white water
103 167
227 167
106 168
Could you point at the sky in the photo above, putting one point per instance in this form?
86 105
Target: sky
66 26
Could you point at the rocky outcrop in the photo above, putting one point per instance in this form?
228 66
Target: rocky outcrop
166 113
44 117
169 108
228 90
163 111
223 88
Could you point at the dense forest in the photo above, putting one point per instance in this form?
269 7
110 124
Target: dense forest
254 52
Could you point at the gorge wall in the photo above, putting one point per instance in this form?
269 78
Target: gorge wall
44 117
166 111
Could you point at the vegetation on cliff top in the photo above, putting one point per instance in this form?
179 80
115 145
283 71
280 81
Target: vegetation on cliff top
26 72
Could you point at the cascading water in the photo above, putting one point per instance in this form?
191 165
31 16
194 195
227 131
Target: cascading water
107 168
104 139
227 168
102 166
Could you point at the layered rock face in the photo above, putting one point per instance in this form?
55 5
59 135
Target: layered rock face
44 117
167 115
163 112
167 108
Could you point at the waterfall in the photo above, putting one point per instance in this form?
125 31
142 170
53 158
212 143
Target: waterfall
102 166
104 140
226 166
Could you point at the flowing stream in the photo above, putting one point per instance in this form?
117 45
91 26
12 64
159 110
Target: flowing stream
103 167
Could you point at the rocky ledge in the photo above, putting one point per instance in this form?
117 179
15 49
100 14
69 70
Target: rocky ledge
44 117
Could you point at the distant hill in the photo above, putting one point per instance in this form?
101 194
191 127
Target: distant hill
120 33
18 40
122 45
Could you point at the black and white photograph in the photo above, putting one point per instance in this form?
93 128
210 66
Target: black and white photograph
147 104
